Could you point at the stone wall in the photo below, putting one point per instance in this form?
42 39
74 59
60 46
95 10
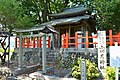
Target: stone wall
68 57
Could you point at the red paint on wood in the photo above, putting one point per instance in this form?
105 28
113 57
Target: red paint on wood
87 42
49 42
67 37
34 42
76 40
111 39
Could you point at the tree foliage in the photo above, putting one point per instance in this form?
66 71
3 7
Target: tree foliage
107 14
12 15
40 9
24 13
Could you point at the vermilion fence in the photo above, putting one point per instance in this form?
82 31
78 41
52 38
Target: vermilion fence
110 39
32 42
36 42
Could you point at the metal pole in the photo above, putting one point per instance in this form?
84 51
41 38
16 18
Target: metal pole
20 52
44 53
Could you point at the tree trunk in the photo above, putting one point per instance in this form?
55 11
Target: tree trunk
45 11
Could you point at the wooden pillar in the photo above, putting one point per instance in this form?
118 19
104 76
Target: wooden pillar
48 41
87 42
40 42
34 44
44 64
63 41
28 42
110 36
67 37
76 40
20 52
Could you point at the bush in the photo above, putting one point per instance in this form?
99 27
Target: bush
110 73
92 72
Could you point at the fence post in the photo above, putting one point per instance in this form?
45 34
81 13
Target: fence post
87 42
39 42
28 42
110 36
33 42
76 40
63 41
67 37
48 41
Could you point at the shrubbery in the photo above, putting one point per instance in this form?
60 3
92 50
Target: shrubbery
110 73
92 72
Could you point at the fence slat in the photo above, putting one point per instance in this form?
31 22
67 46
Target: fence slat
34 42
49 42
76 40
63 41
28 42
111 38
67 37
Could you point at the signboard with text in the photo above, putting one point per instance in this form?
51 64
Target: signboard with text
102 51
114 56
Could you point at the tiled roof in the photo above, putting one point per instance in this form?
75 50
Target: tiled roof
71 11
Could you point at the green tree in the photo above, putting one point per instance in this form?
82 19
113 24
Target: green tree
37 9
107 14
12 15
107 11
40 9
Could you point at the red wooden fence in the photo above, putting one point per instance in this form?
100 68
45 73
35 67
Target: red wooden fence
65 40
36 42
32 42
